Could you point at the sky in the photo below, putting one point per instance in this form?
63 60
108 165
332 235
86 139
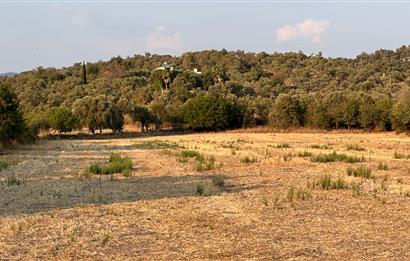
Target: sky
55 33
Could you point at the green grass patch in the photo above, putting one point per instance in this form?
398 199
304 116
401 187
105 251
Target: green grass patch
116 164
363 172
190 154
333 157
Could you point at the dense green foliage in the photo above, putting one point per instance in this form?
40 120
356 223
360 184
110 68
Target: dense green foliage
12 125
283 89
210 113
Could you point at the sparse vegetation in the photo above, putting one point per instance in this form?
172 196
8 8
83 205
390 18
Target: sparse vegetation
333 157
398 155
305 154
156 144
249 160
355 147
363 172
116 164
204 164
13 180
327 182
382 166
4 164
283 146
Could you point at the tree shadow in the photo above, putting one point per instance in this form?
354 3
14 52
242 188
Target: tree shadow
122 135
40 195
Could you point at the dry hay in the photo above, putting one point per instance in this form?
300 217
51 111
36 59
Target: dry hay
157 214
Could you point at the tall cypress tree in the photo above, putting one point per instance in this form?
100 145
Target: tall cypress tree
84 75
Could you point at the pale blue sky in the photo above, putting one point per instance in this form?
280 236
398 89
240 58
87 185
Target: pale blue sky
59 34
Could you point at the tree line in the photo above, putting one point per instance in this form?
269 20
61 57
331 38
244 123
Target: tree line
218 90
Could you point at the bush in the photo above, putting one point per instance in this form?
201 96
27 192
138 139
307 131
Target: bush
61 119
211 113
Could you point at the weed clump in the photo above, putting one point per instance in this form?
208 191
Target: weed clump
327 182
360 172
204 164
200 189
355 147
305 154
116 164
4 164
382 166
13 180
333 157
248 160
283 146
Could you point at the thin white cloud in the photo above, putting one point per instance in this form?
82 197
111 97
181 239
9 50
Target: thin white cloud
310 29
161 40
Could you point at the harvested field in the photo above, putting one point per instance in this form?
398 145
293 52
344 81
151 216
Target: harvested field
214 196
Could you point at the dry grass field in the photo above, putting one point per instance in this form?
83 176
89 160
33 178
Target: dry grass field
215 196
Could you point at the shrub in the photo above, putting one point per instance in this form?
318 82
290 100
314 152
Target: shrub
333 157
359 172
61 119
210 113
